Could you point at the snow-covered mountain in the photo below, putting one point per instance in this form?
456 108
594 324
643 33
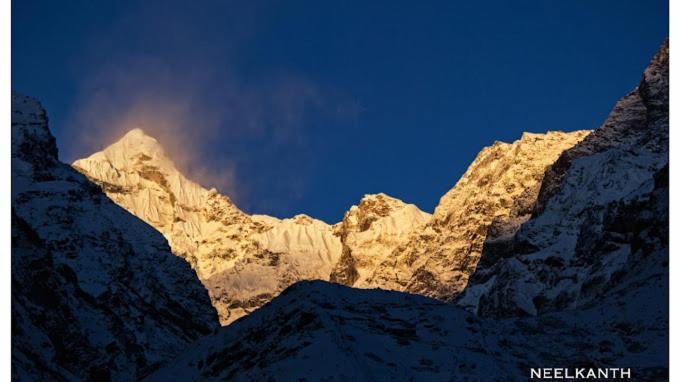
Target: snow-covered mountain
300 248
369 232
602 216
318 331
201 225
494 196
243 260
574 276
96 292
554 250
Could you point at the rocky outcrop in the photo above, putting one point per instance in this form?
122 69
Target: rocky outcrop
96 292
369 233
494 196
602 220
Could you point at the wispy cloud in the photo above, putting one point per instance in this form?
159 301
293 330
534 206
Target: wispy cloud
195 117
194 98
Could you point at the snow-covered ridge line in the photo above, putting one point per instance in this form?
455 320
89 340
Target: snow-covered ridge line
246 260
381 242
493 197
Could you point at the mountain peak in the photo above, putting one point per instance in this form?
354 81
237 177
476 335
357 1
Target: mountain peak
137 140
378 196
135 148
380 204
31 139
136 134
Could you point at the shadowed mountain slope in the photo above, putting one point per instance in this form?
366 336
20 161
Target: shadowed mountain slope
96 292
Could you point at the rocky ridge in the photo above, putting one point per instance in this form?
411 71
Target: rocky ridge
369 232
602 215
382 242
202 226
494 196
243 260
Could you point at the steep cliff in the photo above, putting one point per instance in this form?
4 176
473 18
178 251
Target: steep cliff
494 196
602 217
96 292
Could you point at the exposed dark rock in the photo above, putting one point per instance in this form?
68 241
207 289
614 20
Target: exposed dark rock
96 293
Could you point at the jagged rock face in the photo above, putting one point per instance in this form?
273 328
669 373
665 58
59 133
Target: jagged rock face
96 292
602 216
494 196
294 249
370 232
243 260
318 331
202 226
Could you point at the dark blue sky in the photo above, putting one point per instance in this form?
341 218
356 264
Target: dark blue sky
304 106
